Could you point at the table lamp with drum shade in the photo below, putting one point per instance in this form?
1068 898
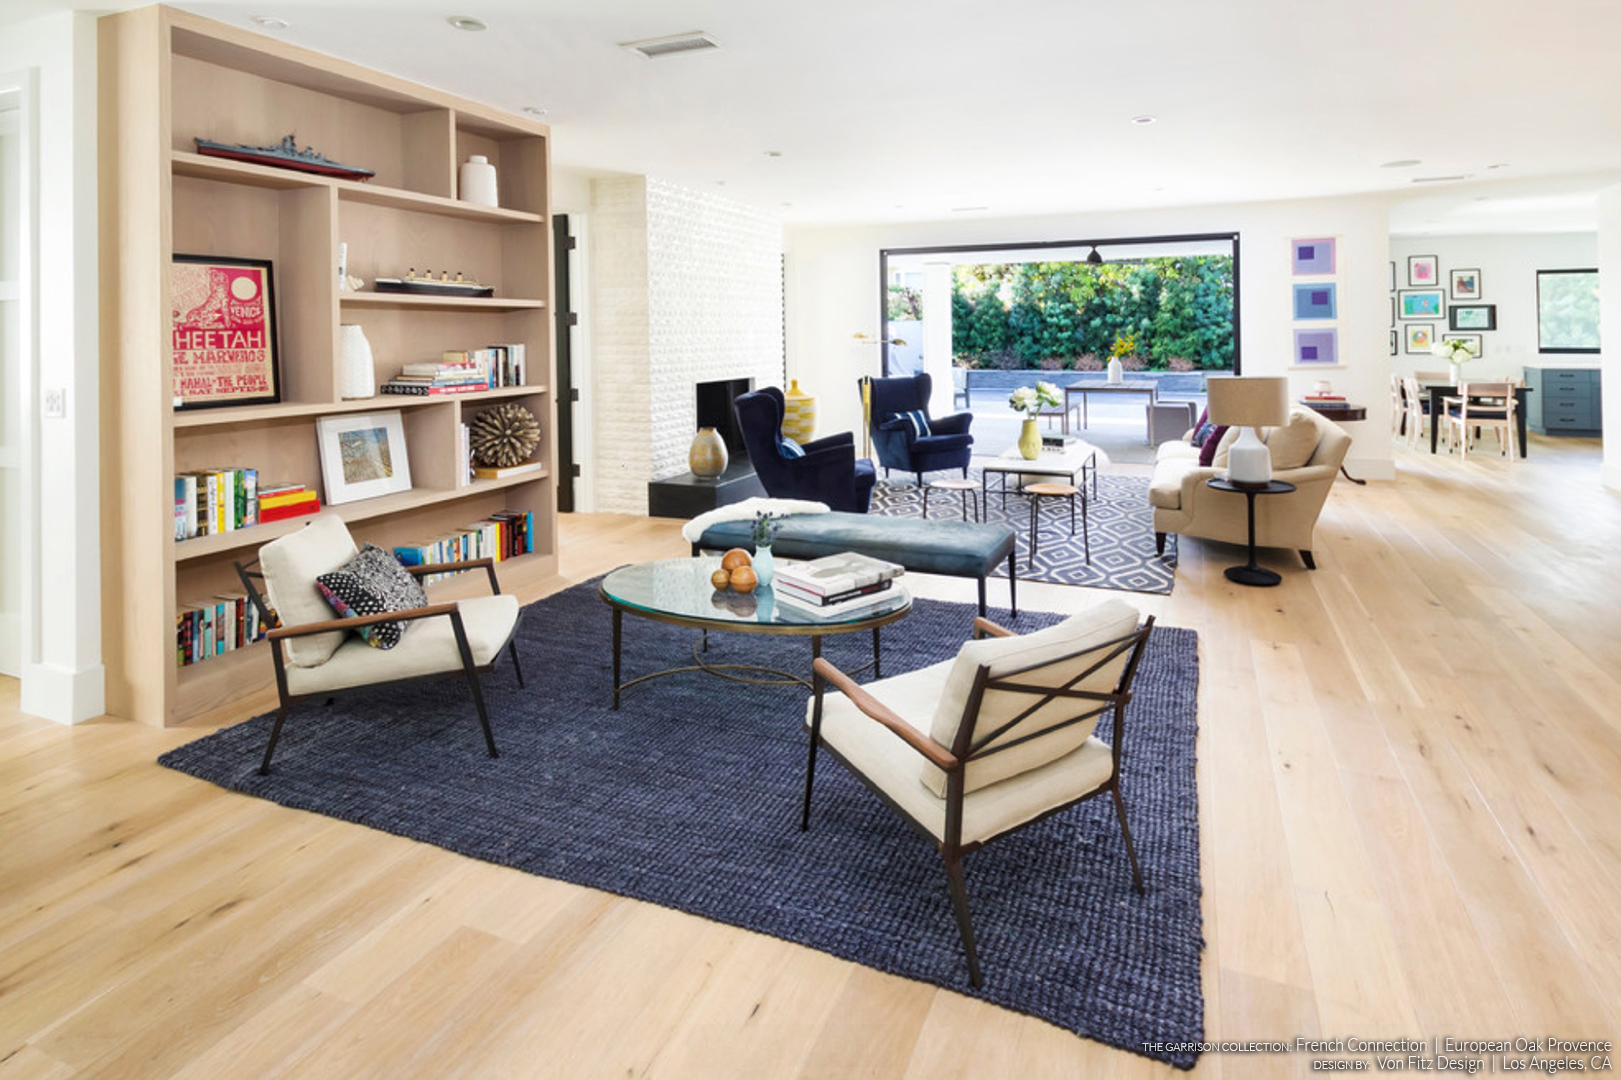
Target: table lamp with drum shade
1248 403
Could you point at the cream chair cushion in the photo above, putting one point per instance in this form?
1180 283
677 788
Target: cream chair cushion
428 647
1293 444
1092 628
290 565
891 765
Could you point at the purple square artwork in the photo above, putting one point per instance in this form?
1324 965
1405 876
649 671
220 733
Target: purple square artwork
1315 302
1317 346
1313 256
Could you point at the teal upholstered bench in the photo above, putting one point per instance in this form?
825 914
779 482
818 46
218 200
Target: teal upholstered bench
953 548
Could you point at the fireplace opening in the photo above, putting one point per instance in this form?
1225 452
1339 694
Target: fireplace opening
714 401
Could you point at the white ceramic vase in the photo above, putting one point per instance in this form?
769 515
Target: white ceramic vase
357 371
478 181
1116 370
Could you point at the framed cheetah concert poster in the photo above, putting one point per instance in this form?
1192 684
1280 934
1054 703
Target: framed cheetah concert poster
223 314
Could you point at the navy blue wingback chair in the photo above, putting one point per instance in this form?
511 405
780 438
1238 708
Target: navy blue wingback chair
827 472
947 445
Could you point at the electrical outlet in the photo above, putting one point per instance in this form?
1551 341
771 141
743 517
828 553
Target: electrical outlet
56 404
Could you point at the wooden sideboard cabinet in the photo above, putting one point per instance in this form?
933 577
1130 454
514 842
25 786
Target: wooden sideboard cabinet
1566 400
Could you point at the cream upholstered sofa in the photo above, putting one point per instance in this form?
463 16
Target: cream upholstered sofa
1306 452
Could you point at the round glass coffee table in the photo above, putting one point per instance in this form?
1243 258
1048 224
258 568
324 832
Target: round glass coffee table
678 591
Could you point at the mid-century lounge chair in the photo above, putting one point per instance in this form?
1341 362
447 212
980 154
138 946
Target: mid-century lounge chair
973 748
318 656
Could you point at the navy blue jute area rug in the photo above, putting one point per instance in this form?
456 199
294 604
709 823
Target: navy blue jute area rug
1118 517
689 797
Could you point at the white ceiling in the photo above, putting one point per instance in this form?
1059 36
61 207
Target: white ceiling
888 110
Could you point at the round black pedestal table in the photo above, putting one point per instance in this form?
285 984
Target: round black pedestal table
1251 573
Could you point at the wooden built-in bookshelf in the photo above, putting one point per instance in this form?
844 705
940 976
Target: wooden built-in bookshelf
167 78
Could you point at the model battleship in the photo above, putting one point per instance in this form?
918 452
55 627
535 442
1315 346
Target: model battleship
425 284
283 155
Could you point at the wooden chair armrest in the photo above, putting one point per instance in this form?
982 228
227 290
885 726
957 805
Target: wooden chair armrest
874 708
487 564
356 622
447 567
984 626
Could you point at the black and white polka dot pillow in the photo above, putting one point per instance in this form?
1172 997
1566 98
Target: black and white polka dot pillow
369 584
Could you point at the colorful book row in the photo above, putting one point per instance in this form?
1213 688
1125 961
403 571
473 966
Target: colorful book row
503 535
461 372
214 627
210 501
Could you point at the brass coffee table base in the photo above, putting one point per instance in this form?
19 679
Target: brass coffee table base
723 671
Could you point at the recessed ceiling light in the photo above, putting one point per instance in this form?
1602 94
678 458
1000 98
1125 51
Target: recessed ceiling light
773 153
466 22
534 110
270 22
1401 163
720 183
1143 119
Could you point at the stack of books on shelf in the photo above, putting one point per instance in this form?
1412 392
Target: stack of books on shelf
211 501
503 535
209 628
836 585
462 372
1324 398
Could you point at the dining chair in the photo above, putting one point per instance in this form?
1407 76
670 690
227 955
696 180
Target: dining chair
1415 408
1397 404
1481 405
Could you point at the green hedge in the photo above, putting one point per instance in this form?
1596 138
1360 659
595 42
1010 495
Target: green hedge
1068 314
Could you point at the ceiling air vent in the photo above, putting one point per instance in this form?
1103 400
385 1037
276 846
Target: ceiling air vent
1437 179
654 48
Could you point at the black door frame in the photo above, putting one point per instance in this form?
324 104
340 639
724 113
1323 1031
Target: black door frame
1039 245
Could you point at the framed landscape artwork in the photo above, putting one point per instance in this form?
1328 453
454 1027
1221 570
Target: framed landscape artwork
1312 256
1421 303
1476 341
1316 301
1472 317
223 332
1466 284
1423 270
1420 338
1317 347
363 456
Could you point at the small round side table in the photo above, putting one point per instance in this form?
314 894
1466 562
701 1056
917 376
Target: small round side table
1251 573
968 488
1038 492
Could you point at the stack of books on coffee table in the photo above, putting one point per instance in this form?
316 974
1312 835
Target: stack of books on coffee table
835 585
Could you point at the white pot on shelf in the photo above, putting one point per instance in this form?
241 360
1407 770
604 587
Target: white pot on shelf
478 181
357 371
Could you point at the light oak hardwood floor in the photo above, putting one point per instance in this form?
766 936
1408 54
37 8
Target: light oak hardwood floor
1410 796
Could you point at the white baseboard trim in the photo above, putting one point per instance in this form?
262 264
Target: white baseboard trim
64 696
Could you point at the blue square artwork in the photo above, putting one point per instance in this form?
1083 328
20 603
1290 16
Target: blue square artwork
1314 256
1316 302
1317 347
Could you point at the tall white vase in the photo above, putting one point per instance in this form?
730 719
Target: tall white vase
357 371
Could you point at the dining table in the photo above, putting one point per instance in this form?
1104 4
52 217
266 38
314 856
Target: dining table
1439 392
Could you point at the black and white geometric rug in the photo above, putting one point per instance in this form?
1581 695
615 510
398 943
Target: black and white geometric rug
689 796
1119 518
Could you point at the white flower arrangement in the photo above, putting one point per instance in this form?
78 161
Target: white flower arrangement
1457 351
1030 399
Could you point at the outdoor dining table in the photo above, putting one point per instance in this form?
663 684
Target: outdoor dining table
1439 392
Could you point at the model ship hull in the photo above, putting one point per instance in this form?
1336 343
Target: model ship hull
432 288
280 158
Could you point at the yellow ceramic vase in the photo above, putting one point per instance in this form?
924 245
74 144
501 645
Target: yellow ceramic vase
799 414
707 456
1030 440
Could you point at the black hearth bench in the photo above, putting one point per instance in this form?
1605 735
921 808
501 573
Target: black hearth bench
953 548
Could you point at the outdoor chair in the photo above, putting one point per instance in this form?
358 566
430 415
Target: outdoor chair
906 437
316 655
971 749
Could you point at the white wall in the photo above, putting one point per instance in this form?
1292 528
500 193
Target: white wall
833 295
11 419
1508 266
686 287
53 61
